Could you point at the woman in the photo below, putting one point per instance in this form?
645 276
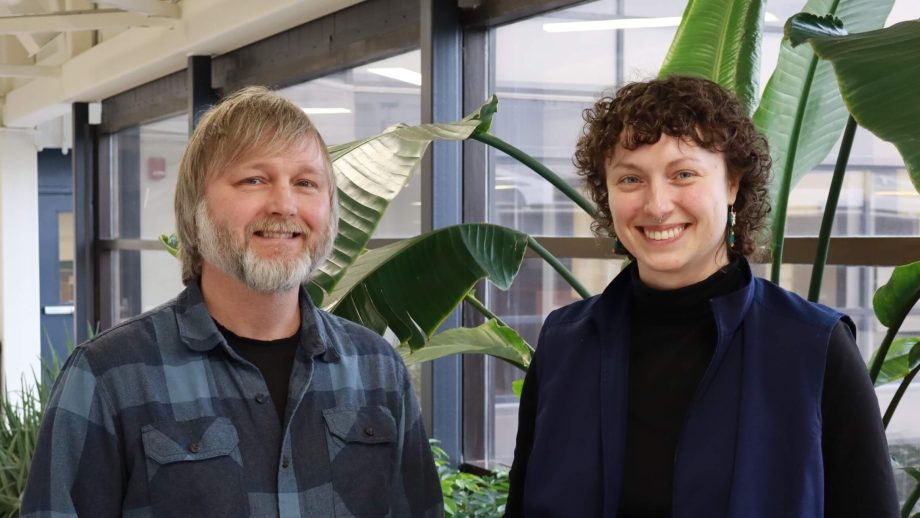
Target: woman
690 388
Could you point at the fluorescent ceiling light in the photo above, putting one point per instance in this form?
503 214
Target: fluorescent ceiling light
399 73
897 193
609 25
325 111
504 187
625 23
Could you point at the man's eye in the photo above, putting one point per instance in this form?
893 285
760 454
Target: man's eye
306 183
251 181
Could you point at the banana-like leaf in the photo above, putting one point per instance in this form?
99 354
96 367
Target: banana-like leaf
878 73
411 286
490 338
801 112
902 357
720 40
517 386
893 301
170 243
371 172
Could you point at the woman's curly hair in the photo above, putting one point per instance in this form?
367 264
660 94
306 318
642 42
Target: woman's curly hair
679 106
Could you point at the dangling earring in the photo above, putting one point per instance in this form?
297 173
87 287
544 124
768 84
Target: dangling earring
731 226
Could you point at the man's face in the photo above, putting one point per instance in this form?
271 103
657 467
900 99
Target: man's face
266 219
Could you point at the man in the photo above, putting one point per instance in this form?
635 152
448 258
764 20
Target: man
239 397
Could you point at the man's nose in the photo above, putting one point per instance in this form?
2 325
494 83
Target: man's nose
282 201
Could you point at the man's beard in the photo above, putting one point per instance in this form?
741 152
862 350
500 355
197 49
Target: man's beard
218 246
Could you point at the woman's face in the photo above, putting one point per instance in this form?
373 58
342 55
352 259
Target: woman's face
669 202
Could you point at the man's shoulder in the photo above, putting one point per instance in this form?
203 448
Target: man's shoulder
135 340
355 339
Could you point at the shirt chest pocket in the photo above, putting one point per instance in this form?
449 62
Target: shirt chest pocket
362 450
194 468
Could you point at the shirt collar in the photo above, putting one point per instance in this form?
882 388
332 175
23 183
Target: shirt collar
199 333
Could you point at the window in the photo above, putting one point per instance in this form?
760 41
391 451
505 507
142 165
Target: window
540 112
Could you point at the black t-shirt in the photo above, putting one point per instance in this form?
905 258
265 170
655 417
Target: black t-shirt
273 358
673 339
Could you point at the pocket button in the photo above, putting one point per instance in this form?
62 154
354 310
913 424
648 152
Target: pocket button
195 447
369 431
285 462
260 398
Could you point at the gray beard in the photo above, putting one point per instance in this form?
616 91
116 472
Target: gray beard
270 275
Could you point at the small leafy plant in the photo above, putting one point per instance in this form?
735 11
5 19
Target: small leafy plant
468 495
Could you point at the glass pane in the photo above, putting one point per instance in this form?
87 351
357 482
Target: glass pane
145 168
144 279
361 102
66 257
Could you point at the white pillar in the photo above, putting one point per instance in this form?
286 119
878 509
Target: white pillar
20 317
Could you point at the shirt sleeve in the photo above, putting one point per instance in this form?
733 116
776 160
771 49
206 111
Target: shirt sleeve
78 467
858 479
527 420
418 493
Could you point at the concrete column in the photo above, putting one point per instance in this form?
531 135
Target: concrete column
20 317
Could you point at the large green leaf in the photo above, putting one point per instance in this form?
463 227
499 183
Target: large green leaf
720 40
801 112
490 338
902 357
371 172
893 301
878 73
411 286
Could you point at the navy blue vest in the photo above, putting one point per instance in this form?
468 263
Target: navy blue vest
751 444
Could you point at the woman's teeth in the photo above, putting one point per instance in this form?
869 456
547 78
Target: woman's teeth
661 235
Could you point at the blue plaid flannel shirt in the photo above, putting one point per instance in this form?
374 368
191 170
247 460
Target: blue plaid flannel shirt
158 416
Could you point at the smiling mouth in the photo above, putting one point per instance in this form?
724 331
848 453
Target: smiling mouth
277 235
663 234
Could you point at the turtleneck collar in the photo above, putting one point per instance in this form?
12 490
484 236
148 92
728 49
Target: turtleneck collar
687 303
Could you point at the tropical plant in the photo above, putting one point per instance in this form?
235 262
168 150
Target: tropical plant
834 47
468 495
20 419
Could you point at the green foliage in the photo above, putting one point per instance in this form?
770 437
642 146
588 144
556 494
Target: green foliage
492 338
878 74
902 357
720 40
20 419
467 495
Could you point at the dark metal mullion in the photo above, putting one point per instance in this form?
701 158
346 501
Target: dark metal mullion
201 95
478 412
85 222
442 89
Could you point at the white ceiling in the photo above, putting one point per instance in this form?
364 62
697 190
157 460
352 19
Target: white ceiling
56 52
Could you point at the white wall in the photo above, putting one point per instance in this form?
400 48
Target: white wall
20 320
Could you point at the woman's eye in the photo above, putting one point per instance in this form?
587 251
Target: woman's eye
629 180
685 175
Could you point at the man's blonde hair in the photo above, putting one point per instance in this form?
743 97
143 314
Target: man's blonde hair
252 120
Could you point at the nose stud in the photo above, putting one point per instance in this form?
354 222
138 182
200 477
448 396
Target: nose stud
660 220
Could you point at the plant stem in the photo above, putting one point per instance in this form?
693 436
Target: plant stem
830 210
876 366
911 501
481 308
562 270
782 197
537 167
902 388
